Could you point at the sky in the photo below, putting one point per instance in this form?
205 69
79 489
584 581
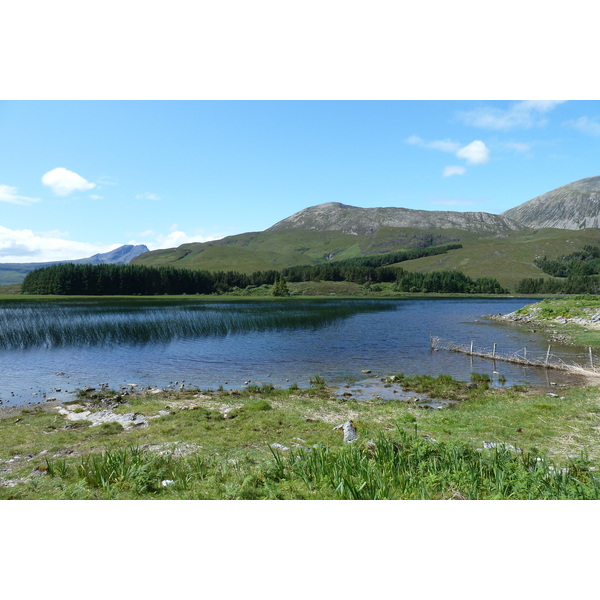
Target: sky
79 177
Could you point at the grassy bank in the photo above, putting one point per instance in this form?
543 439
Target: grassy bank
219 445
572 319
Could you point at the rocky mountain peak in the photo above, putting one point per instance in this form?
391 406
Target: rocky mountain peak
572 206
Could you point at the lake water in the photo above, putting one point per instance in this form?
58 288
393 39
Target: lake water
50 349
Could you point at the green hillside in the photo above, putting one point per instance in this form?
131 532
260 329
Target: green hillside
509 259
275 249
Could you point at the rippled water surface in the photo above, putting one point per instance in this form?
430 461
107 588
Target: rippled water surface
49 349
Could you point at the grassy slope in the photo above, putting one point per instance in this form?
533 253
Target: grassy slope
285 248
508 259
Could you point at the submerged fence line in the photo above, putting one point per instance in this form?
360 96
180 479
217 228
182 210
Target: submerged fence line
522 357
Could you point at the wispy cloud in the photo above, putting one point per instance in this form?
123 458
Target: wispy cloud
9 194
519 147
520 115
585 125
454 170
175 237
443 145
25 245
64 182
475 153
148 196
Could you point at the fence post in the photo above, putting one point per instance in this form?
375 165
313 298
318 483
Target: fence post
525 353
548 354
471 346
591 357
494 352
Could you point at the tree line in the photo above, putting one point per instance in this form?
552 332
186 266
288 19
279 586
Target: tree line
73 279
569 285
575 273
97 280
581 263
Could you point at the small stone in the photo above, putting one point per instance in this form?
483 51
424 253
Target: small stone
277 446
366 371
350 433
167 482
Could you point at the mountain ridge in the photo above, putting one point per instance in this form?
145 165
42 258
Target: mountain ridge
14 273
354 220
575 205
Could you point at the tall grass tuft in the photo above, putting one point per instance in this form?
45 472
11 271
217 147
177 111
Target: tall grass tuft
413 468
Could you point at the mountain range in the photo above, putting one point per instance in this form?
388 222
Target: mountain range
503 246
12 273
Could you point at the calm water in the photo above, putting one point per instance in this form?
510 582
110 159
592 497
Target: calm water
51 349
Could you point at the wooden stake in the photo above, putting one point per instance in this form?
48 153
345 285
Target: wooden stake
471 346
548 354
591 357
494 353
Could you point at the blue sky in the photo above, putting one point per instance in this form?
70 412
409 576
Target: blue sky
79 177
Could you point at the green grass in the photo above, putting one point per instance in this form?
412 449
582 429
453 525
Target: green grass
508 258
217 445
548 310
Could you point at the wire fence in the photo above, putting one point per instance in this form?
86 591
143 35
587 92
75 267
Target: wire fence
577 362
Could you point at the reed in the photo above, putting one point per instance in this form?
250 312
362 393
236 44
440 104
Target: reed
96 323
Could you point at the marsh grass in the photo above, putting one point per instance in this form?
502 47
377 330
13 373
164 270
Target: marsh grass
76 323
442 386
400 466
409 467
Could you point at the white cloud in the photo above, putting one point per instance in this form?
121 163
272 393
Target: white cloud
520 115
148 196
25 245
475 153
443 145
64 182
174 238
517 146
454 170
585 125
9 194
415 140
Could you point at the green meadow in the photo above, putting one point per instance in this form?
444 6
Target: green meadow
220 445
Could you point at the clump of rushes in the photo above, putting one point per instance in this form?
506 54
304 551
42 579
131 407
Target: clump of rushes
442 386
481 379
317 381
410 467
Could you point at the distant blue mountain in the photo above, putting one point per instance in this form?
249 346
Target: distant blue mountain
119 256
11 273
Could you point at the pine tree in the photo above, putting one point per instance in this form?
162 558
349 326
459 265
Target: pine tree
280 288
